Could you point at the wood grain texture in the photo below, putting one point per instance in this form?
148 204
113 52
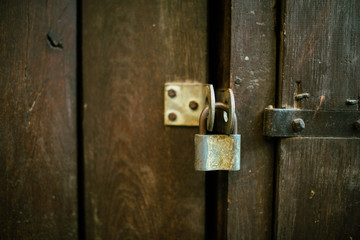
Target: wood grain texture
252 78
318 185
38 198
319 189
321 54
140 178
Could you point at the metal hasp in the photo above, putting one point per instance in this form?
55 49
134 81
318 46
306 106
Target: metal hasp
310 123
183 103
217 152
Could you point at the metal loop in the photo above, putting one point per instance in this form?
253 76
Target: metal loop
230 102
205 113
210 99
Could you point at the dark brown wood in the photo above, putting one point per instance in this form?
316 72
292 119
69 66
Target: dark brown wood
38 183
318 185
321 47
319 189
252 78
139 174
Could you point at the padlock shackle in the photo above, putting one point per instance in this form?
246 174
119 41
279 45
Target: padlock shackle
202 121
205 112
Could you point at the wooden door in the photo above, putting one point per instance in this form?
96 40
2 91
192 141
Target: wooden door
318 185
140 181
84 151
307 47
38 129
253 72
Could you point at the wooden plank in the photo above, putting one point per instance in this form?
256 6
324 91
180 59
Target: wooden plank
319 189
318 186
139 174
252 78
38 184
321 54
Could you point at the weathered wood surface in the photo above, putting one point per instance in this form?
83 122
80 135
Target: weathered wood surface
139 174
38 196
319 189
318 183
252 78
321 49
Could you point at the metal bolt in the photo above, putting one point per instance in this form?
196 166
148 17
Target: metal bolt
172 116
298 125
193 105
301 96
171 93
352 101
357 125
238 80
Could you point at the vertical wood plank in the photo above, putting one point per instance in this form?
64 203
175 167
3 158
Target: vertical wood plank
38 120
319 189
252 78
321 48
318 185
140 179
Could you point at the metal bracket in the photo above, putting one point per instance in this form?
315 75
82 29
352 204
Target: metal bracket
310 123
183 103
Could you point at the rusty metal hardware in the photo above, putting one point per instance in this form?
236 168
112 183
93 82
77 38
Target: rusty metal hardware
223 120
310 123
210 102
183 103
217 152
352 101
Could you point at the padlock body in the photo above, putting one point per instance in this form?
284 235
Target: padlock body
217 152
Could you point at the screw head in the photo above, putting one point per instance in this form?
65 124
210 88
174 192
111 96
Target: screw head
193 105
172 93
172 116
298 125
238 80
357 125
301 96
352 101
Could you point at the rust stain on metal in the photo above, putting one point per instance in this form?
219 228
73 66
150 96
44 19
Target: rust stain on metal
193 105
185 100
221 157
217 152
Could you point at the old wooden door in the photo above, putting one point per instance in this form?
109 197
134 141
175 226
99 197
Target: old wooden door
318 184
38 137
84 153
279 50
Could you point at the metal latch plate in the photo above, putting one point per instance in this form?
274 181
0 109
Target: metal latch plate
280 123
183 103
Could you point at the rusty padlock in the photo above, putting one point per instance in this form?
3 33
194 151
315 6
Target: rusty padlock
217 152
